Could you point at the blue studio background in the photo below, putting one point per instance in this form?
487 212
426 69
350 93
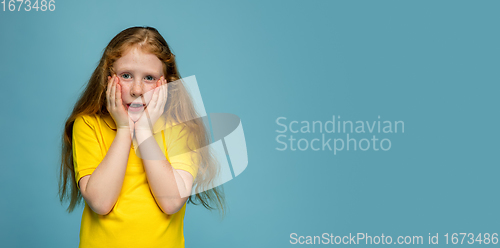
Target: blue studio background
432 64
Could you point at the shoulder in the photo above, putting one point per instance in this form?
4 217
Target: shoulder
86 121
185 136
175 132
177 129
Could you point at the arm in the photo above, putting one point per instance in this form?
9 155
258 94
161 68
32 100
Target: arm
170 187
101 189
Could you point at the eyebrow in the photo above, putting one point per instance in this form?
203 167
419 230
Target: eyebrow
134 72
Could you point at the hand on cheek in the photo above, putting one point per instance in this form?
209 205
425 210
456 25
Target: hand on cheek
155 108
114 103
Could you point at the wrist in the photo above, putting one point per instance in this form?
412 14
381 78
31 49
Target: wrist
143 131
120 131
142 127
143 134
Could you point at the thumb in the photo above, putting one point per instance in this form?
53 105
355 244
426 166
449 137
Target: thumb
131 125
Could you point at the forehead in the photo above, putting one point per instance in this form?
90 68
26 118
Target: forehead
137 60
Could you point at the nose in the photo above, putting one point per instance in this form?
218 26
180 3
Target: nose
137 88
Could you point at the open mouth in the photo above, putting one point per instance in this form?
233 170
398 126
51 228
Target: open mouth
136 106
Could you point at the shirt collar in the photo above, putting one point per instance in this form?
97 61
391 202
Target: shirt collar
159 125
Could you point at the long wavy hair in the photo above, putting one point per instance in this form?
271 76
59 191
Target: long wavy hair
179 108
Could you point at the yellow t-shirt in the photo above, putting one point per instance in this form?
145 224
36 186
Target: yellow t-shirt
135 220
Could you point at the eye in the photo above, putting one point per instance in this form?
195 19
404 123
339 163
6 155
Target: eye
149 78
126 76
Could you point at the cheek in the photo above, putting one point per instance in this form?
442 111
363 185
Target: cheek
124 92
150 89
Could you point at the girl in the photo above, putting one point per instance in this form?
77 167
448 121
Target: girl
133 148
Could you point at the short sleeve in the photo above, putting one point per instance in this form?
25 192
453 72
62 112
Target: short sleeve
86 149
181 149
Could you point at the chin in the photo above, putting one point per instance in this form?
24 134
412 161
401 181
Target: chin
134 116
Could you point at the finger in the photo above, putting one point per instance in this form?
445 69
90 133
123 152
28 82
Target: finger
162 83
154 99
113 93
165 90
119 94
163 99
148 107
146 114
158 99
160 95
163 93
108 91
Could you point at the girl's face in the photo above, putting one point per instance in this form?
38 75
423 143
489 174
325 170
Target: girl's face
138 73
